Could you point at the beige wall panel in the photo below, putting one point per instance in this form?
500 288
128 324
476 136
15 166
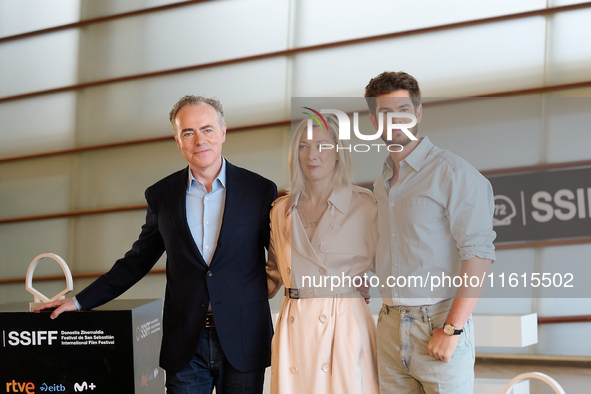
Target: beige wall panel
466 61
567 123
96 9
557 3
264 151
101 240
185 36
20 243
20 62
488 133
139 109
37 124
22 16
561 260
350 19
564 339
581 92
35 187
569 53
120 176
14 292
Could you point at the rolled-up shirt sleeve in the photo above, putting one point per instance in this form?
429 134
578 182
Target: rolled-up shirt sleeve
470 212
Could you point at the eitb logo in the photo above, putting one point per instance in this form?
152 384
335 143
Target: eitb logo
344 128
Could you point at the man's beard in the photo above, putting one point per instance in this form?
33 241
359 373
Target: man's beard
402 139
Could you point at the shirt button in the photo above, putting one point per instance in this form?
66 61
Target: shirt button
206 199
392 204
291 319
204 305
289 270
293 370
322 271
325 368
395 294
323 318
206 222
206 246
323 248
209 273
393 235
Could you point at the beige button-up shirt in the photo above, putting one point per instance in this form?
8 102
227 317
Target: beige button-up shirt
438 213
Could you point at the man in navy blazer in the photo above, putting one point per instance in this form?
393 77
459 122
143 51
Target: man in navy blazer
212 219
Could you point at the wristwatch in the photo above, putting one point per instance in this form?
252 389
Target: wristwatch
450 330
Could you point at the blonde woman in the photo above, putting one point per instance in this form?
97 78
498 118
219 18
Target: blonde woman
322 230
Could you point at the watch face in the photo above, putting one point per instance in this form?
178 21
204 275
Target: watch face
448 329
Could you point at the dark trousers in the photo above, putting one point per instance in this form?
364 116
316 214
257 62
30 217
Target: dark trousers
209 368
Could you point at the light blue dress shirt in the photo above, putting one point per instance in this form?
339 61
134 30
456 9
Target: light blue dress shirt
437 214
205 211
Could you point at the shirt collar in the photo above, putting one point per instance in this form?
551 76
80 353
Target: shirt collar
416 158
221 178
341 199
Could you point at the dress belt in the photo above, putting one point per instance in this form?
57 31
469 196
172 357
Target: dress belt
296 293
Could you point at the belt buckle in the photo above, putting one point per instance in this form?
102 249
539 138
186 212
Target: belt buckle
209 321
294 293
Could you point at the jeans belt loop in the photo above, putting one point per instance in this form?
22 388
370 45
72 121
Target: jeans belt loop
209 323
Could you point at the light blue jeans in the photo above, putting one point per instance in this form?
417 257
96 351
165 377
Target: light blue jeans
404 364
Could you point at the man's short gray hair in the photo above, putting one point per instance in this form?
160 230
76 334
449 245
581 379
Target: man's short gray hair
195 100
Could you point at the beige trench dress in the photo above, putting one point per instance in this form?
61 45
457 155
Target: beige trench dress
325 343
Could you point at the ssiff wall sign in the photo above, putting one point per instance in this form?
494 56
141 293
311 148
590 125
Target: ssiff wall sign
544 205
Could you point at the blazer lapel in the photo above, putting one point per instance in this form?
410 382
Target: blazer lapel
176 199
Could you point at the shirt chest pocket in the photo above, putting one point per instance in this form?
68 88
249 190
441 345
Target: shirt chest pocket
418 216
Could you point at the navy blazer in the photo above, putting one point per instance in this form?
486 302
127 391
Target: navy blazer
235 282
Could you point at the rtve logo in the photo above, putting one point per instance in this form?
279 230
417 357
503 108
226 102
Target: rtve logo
345 128
18 387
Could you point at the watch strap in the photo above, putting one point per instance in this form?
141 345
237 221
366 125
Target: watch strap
455 332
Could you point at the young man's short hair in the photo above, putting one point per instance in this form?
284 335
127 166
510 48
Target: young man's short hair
388 82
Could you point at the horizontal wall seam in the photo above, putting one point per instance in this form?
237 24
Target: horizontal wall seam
76 213
281 123
564 319
294 51
102 19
